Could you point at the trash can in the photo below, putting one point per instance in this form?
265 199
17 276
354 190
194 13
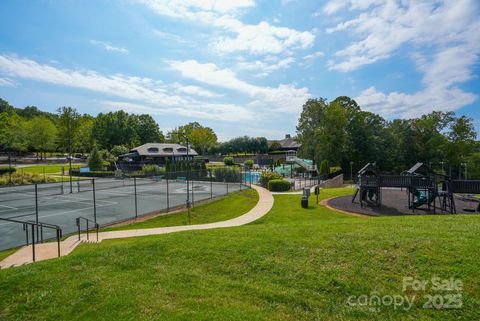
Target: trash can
305 201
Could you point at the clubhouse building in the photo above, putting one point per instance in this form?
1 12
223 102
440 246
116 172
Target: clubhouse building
158 153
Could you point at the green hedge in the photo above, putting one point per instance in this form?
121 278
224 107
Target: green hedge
268 176
228 161
279 185
227 175
6 170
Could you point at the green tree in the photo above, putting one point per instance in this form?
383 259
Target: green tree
275 145
118 150
115 128
147 129
202 139
95 160
84 135
13 133
67 128
41 134
324 167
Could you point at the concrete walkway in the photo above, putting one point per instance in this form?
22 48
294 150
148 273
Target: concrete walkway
49 250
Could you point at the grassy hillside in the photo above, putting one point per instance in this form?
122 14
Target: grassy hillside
293 264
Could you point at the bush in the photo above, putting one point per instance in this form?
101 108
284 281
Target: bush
118 150
268 176
6 170
25 178
324 167
95 160
279 185
228 161
227 175
248 163
150 170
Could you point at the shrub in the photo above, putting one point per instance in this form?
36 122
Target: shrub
324 167
95 160
248 163
228 161
6 170
25 178
150 170
268 176
118 150
279 185
227 175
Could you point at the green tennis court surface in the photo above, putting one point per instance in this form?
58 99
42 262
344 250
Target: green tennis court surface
114 200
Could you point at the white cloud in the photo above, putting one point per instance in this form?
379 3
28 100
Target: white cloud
261 38
316 54
445 40
443 73
387 27
284 98
143 91
265 67
264 38
195 90
108 46
7 82
221 112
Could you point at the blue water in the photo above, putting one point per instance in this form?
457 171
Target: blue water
251 177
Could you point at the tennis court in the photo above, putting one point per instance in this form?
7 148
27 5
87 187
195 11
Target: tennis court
114 199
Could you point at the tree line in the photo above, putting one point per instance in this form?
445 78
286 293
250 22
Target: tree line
31 130
343 134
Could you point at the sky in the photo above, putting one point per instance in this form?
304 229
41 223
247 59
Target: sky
241 67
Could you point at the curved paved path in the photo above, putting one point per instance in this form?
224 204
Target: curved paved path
49 250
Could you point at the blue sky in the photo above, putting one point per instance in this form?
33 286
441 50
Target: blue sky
242 67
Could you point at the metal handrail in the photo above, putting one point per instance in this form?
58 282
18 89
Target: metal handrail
95 224
34 224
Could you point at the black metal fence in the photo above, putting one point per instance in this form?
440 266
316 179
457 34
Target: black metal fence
109 200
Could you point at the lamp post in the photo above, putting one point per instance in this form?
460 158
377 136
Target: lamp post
443 171
188 179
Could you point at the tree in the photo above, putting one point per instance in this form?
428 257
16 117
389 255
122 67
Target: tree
275 145
115 128
95 160
324 167
13 134
202 139
147 130
67 128
84 137
118 150
41 133
322 130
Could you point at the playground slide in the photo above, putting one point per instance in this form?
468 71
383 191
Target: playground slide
421 198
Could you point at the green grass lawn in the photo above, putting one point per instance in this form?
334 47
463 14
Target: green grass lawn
49 169
292 264
231 206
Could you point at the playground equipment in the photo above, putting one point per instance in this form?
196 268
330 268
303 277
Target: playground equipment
367 186
291 158
424 188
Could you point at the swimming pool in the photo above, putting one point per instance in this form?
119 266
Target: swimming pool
251 177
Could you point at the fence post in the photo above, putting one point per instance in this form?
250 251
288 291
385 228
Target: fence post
44 175
94 201
22 176
211 184
135 189
168 196
33 242
36 211
193 194
78 184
